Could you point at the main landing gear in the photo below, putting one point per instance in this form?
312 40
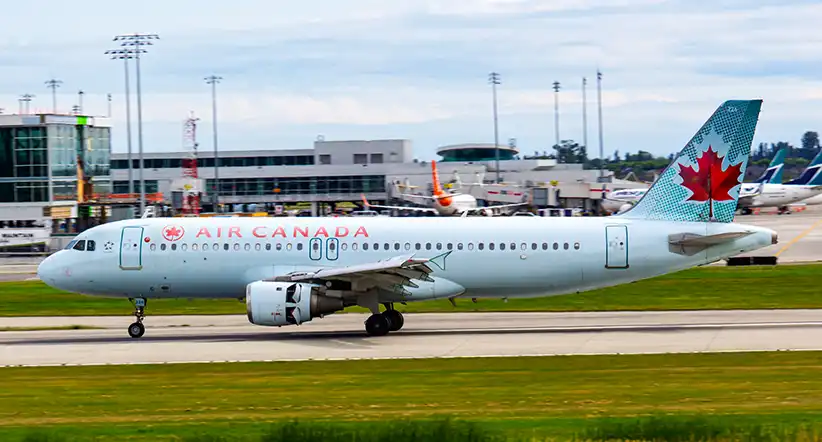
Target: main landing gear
137 329
379 324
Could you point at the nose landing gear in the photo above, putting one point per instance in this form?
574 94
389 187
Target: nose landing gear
137 329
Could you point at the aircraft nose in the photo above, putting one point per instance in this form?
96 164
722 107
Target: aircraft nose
48 269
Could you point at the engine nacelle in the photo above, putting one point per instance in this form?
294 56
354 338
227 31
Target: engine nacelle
285 303
486 212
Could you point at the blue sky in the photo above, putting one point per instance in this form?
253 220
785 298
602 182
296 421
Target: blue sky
367 69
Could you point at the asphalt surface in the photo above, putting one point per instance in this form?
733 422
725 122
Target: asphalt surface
178 339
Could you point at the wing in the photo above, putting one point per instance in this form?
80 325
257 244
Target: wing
416 209
392 274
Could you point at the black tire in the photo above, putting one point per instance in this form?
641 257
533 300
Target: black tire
136 330
395 319
377 325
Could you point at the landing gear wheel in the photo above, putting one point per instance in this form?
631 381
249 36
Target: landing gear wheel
136 330
377 325
395 319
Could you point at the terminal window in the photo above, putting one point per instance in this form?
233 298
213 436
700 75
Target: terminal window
376 158
360 158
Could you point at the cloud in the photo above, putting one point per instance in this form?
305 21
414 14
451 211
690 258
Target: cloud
417 69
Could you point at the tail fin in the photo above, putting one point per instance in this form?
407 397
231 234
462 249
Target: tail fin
773 174
812 175
435 180
703 181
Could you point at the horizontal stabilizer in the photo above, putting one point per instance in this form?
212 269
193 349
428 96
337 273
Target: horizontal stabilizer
690 244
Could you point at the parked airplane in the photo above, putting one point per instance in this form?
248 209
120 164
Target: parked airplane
769 191
445 203
622 200
292 270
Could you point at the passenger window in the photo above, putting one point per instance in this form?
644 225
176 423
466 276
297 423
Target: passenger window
81 245
418 246
565 246
408 246
576 246
556 246
344 246
428 246
439 246
396 246
216 247
184 247
365 246
332 246
513 246
459 246
268 246
247 247
279 247
300 246
162 247
257 247
490 246
481 245
355 246
545 246
236 246
225 246
523 246
533 246
386 246
90 246
288 247
153 247
502 246
194 247
470 246
449 246
315 246
174 247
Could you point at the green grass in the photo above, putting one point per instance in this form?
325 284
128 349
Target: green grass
557 397
784 286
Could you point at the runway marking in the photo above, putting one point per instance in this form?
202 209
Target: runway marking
799 237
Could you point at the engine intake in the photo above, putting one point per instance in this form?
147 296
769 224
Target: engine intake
285 303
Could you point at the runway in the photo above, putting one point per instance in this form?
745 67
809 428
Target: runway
230 338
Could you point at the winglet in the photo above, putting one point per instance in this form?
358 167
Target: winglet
365 201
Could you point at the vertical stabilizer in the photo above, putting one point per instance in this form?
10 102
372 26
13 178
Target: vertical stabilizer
812 175
702 183
773 174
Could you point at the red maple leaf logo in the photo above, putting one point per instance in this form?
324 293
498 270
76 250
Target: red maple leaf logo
173 233
710 182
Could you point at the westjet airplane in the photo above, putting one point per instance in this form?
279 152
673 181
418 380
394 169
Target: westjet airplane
292 270
769 191
445 203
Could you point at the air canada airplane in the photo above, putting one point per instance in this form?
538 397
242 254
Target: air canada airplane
290 271
445 203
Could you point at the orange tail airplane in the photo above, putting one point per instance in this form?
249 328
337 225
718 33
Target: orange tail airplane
444 203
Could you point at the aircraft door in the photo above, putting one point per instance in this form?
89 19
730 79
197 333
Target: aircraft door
616 247
332 251
131 248
315 249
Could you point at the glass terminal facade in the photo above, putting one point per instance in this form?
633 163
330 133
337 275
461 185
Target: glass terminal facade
476 154
38 153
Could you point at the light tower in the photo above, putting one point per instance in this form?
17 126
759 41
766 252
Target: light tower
80 94
25 98
213 80
493 80
53 84
126 54
137 41
599 106
556 112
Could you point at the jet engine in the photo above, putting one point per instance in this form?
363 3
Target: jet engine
285 303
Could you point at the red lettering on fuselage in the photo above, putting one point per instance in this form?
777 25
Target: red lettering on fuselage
361 231
203 231
297 232
341 232
260 235
234 230
279 231
301 231
322 231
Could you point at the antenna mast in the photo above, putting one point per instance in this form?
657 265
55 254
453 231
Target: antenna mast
191 194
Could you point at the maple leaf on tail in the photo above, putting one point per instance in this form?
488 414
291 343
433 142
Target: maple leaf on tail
710 182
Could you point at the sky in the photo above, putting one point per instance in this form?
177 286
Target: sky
369 69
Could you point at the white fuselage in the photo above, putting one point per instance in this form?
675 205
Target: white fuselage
616 201
813 201
489 257
775 195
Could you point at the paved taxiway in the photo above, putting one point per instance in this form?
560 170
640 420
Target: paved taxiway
231 338
800 234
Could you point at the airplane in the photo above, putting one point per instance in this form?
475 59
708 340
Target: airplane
769 191
289 271
445 203
622 200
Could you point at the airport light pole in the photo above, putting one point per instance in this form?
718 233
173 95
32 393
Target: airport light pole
556 113
53 84
80 94
26 98
213 80
493 80
599 106
125 55
108 97
137 41
584 114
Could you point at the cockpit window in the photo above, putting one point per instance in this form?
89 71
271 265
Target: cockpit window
71 244
90 246
81 245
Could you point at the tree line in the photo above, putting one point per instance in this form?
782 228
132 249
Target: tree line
644 164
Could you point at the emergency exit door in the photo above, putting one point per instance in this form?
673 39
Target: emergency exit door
131 248
616 247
